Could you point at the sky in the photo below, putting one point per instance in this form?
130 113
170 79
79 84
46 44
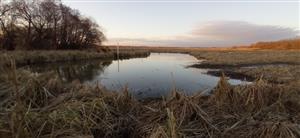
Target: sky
192 23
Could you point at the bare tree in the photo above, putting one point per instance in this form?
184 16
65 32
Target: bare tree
7 23
47 24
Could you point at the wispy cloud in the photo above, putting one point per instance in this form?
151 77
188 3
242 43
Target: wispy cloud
217 33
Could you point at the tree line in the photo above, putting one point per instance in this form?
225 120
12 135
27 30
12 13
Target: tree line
45 24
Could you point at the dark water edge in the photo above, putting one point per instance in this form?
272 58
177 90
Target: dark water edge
23 58
231 74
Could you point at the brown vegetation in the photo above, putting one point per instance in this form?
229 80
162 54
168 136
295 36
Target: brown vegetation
39 105
277 66
51 56
247 58
283 44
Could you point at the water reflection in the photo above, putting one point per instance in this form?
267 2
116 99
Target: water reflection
153 76
69 71
157 75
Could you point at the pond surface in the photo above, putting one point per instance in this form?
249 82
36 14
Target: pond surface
153 76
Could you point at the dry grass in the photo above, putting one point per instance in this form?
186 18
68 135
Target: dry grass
40 56
244 58
274 73
283 44
39 105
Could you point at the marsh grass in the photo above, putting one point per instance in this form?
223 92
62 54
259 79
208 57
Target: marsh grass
42 56
40 105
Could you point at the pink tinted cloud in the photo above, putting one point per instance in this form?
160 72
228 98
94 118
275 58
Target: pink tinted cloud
217 34
242 31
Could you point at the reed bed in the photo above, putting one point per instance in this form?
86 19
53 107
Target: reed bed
43 56
40 105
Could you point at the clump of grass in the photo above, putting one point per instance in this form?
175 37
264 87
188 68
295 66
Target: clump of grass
276 129
252 98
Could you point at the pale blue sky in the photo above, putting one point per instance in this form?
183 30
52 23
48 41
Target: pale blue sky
192 23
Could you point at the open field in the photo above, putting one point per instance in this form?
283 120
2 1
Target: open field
39 105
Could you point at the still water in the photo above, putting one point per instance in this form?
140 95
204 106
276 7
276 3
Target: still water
153 76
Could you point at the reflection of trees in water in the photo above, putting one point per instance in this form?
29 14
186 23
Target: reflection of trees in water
69 71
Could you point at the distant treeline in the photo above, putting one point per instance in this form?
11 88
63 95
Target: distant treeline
45 24
283 44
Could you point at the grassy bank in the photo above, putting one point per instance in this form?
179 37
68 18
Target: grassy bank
39 56
40 105
273 65
246 58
